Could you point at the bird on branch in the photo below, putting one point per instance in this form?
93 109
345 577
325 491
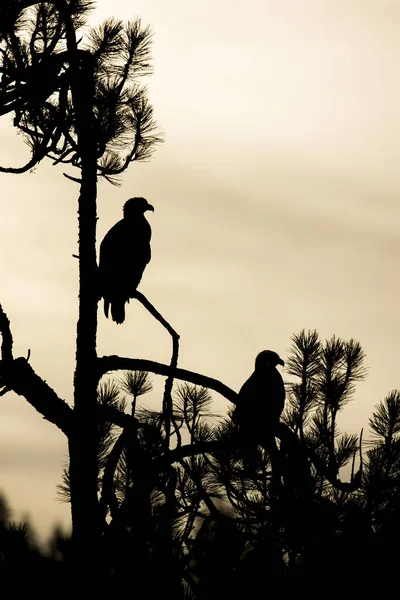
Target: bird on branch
261 400
124 253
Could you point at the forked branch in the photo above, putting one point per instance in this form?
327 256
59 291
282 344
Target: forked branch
167 409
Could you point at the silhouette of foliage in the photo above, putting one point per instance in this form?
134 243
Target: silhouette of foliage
185 507
215 522
36 79
76 97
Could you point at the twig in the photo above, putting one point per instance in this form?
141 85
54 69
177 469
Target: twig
74 179
361 457
168 408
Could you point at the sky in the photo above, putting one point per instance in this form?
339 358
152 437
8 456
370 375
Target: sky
276 209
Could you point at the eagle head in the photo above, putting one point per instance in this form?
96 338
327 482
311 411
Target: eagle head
136 206
268 358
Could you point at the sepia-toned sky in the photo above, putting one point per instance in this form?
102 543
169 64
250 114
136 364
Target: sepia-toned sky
277 208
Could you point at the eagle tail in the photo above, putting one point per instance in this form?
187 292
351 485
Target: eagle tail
118 311
106 307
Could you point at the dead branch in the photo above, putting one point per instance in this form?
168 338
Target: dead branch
18 376
167 410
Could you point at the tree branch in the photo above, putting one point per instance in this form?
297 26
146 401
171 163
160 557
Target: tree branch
18 376
119 418
167 408
283 433
107 491
200 488
105 364
74 179
18 170
178 454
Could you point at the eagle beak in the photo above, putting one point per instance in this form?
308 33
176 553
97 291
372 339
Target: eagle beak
281 362
150 207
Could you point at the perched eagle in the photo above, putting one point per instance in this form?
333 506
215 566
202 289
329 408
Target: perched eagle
124 254
261 399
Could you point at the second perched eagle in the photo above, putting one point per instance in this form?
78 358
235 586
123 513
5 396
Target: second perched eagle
261 399
124 253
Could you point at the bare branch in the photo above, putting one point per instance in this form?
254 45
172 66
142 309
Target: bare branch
153 311
167 399
105 364
74 179
18 170
19 377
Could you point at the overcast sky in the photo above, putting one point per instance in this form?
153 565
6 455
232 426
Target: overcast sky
276 209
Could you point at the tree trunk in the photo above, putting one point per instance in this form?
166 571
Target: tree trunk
83 442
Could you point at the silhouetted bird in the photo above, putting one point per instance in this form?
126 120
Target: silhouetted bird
261 399
124 254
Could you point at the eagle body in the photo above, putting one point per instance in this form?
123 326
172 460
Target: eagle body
124 253
261 399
